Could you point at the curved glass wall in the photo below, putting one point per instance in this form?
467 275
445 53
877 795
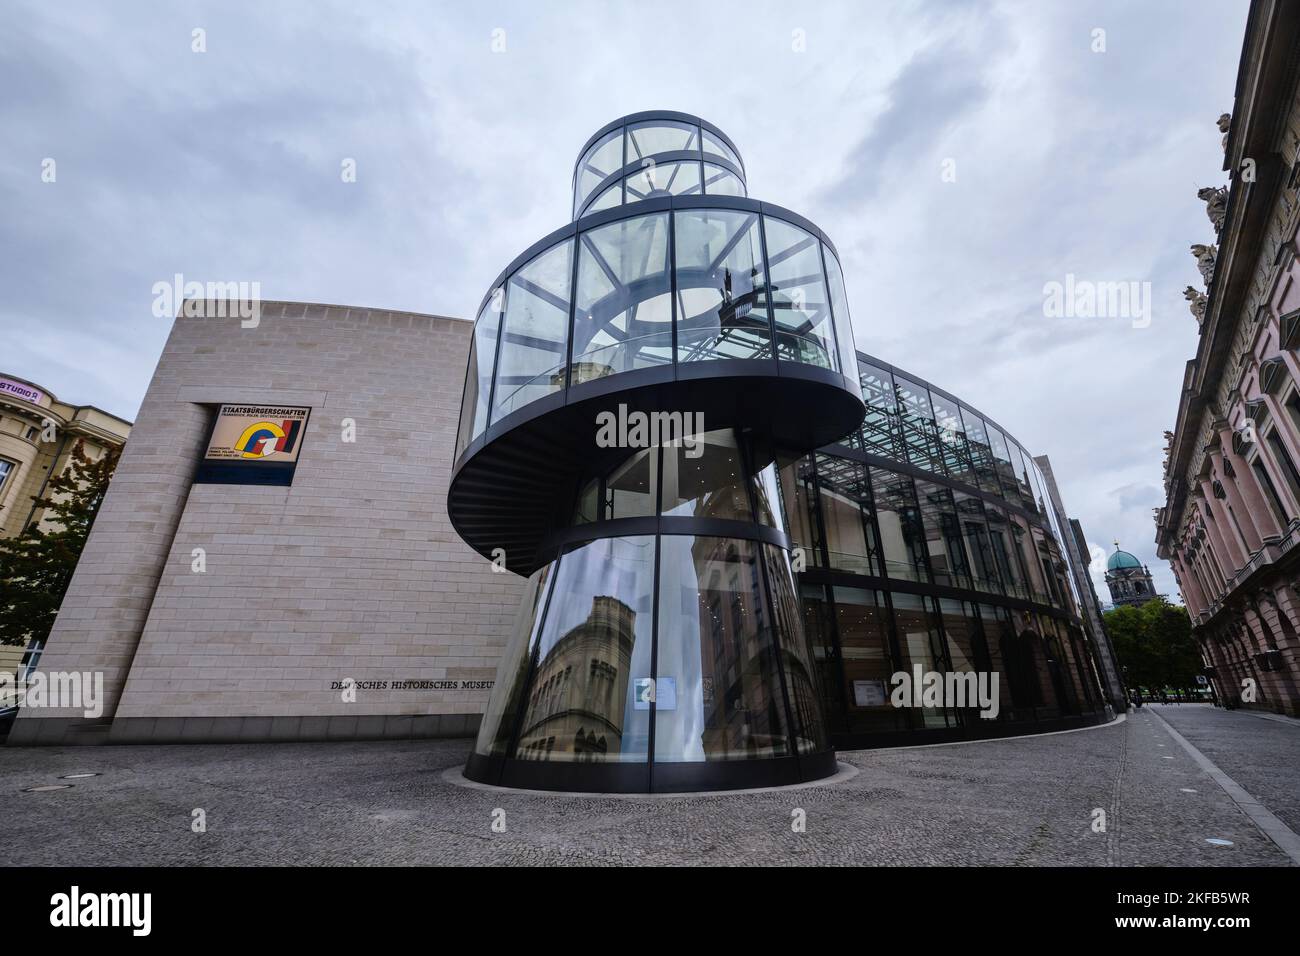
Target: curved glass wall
475 400
720 181
800 303
534 332
928 538
681 285
724 658
574 682
603 159
722 304
669 179
957 513
581 703
656 156
623 311
684 646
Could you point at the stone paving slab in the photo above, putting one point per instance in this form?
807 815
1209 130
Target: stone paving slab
1021 801
1261 755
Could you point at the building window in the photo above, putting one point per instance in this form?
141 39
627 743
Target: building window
902 531
880 427
1293 409
798 296
846 505
918 427
722 291
1271 495
1288 467
534 332
32 432
942 530
623 317
31 658
7 468
1241 535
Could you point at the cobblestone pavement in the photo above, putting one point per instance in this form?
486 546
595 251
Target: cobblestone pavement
1021 801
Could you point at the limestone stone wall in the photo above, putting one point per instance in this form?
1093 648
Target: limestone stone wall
354 571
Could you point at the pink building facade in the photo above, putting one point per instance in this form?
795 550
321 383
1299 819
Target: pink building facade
1231 523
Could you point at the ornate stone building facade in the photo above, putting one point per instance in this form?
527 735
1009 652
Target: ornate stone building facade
1128 579
38 436
1231 522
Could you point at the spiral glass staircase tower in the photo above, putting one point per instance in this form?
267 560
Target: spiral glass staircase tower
660 645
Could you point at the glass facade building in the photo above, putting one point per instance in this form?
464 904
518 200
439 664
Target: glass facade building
735 526
929 539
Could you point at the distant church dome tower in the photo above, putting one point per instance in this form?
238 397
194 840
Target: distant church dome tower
1128 579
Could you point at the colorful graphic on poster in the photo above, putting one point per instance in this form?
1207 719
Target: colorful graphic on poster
257 433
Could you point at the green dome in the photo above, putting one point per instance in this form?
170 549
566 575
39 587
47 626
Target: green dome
1122 559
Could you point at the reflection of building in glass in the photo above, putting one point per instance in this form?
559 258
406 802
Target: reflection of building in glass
579 688
740 700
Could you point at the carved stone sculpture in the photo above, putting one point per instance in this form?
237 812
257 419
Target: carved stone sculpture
1216 205
1196 302
1205 261
1225 121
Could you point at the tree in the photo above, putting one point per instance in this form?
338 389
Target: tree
1154 644
36 566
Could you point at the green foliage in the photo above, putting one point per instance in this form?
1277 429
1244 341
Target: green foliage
1154 645
36 566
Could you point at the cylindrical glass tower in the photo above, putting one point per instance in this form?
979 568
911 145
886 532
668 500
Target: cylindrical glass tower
634 381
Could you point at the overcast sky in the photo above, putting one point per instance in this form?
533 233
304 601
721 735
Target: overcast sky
225 166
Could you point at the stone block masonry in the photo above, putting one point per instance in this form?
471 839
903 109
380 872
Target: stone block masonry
351 572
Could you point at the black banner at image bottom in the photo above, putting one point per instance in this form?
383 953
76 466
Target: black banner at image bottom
199 905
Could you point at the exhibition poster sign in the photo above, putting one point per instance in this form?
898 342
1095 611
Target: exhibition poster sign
254 445
257 433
